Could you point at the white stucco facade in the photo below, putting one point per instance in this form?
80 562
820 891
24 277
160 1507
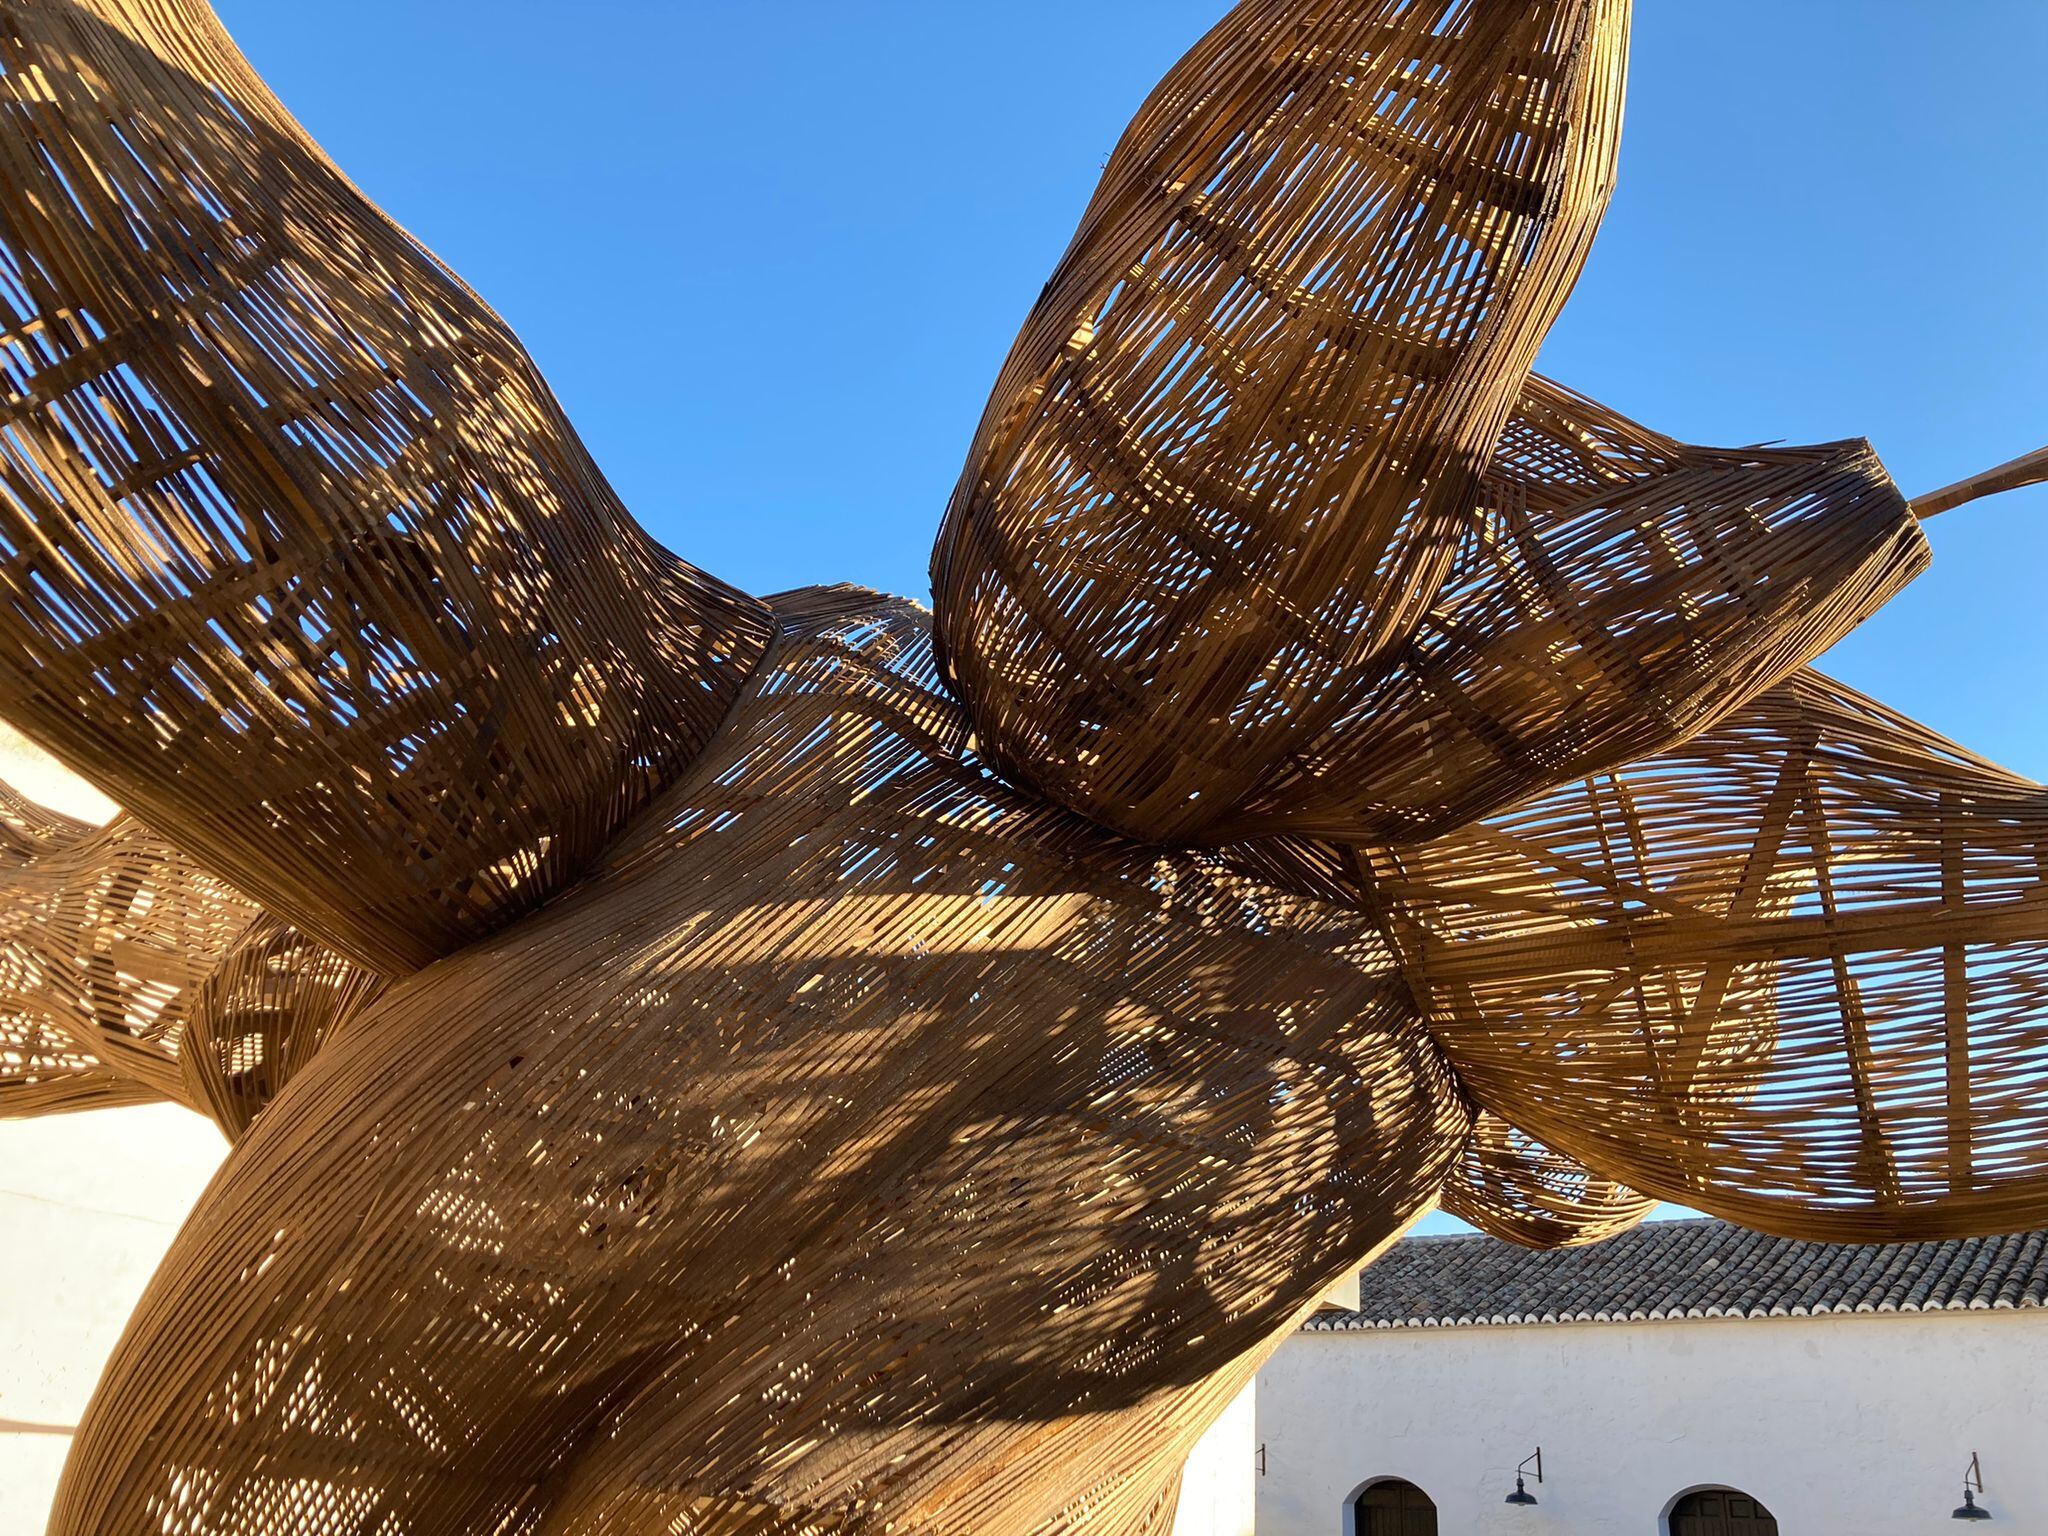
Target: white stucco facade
1842 1425
1218 1492
88 1204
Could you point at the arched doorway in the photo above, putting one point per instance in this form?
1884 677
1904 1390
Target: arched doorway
1721 1512
1395 1508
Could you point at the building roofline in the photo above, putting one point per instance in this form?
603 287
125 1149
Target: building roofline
1688 1270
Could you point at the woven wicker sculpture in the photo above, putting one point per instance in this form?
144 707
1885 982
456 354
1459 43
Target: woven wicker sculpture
706 1064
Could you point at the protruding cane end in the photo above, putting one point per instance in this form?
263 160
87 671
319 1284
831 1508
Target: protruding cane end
2028 469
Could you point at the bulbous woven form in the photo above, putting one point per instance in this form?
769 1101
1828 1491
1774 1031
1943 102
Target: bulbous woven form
720 1065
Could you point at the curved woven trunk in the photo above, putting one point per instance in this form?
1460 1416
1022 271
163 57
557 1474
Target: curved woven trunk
859 1145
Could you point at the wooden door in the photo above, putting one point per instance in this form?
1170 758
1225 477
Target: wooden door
1396 1509
1720 1512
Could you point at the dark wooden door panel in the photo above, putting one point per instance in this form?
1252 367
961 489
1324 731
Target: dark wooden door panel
1396 1509
1720 1512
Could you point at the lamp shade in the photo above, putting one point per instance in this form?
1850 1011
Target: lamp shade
1967 1510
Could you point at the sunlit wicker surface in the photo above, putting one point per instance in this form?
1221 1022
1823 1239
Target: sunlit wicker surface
262 1015
723 1065
105 932
1511 1186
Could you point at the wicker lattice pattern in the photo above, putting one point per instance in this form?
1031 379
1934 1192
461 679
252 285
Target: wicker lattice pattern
766 1067
290 507
1223 467
1041 1123
1615 592
105 932
1509 1184
1799 963
44 1067
262 1015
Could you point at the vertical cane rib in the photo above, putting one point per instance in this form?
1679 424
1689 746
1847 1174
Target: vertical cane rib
298 557
1222 471
1955 997
1818 1007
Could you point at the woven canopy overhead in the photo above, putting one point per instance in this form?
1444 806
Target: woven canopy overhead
736 1066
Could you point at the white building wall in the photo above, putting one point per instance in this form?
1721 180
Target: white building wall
1853 1425
88 1204
1218 1490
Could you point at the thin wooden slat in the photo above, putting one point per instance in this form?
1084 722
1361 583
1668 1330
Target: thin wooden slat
44 1067
104 934
43 1072
1615 593
1955 996
1138 1504
1157 1518
2015 474
1513 1187
93 964
261 1016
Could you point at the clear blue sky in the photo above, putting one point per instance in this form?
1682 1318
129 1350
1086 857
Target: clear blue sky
770 256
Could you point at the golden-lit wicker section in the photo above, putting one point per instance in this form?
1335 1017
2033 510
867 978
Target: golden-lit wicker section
105 932
309 571
1793 972
262 1015
45 1068
1508 1184
1223 467
859 1133
1614 593
761 1067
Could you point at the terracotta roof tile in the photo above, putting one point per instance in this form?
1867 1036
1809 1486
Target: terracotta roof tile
1698 1268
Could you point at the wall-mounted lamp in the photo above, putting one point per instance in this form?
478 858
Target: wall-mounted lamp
1522 1495
1968 1509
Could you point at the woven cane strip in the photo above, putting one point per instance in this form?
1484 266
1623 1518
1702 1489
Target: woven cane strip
1793 972
859 1145
43 1067
104 933
1615 593
262 1015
